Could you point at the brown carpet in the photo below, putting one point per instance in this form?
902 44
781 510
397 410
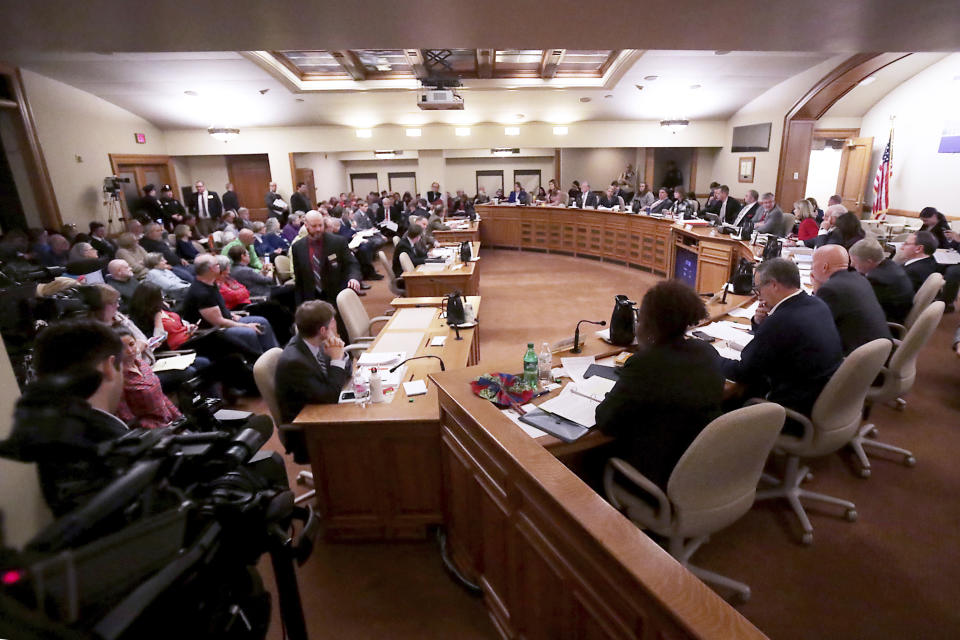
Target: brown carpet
892 574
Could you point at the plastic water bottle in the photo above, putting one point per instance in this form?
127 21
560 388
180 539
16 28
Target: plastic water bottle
530 366
545 362
360 390
376 386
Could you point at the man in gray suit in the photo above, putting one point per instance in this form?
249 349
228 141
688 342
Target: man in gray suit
769 218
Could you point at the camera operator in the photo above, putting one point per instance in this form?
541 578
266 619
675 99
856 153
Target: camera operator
62 418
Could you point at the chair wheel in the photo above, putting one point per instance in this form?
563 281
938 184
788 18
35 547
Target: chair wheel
808 477
743 596
807 539
851 515
872 433
864 472
910 461
901 404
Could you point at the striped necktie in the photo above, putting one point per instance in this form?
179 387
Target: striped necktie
322 363
316 266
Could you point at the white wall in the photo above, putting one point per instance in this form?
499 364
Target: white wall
72 123
329 175
921 176
461 173
822 174
379 167
212 170
597 166
771 106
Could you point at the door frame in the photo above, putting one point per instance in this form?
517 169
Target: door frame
116 159
364 176
402 174
528 172
488 173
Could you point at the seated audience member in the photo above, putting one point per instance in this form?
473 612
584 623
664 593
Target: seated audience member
722 204
406 245
611 199
228 222
916 256
808 223
136 228
143 403
541 195
292 228
674 382
827 225
245 239
83 260
160 274
235 294
70 467
796 346
713 199
203 304
682 207
237 297
132 253
890 282
243 221
364 252
58 252
663 202
120 277
936 223
856 312
184 243
272 242
643 198
586 199
313 367
769 217
256 283
106 249
817 211
846 232
153 242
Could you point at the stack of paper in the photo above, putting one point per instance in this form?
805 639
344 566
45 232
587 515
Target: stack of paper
573 407
533 432
732 332
380 358
596 388
576 367
946 256
745 312
174 363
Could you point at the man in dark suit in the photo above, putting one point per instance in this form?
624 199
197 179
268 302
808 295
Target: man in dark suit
856 312
299 200
587 198
916 256
230 200
769 217
434 194
936 223
276 206
98 240
663 202
748 210
724 206
313 367
206 206
407 245
796 346
890 282
323 264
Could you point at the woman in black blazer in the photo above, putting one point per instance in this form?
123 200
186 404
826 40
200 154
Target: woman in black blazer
669 390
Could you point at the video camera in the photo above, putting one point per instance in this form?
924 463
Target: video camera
112 185
168 548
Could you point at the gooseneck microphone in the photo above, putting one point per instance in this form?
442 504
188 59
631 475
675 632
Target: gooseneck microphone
576 333
397 366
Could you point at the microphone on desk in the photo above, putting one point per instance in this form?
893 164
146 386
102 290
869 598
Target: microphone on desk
576 333
397 366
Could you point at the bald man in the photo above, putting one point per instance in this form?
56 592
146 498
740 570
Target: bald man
245 238
850 297
323 264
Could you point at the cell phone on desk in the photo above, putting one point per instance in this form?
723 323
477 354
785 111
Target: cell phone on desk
347 396
704 336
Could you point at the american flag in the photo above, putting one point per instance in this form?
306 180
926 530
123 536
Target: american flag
881 184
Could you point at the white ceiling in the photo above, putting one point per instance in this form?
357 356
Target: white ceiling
229 87
861 98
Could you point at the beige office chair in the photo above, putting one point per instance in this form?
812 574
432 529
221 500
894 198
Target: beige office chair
406 262
265 376
788 221
898 377
921 300
396 240
713 484
392 283
283 268
832 424
355 317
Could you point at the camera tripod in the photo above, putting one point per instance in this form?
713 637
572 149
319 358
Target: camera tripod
114 214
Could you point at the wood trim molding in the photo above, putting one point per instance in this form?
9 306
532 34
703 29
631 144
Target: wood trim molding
41 183
116 159
916 214
293 171
831 134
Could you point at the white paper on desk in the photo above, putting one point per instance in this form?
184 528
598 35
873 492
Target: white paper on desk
415 388
389 224
946 256
430 267
380 358
745 312
405 341
576 367
727 352
596 388
438 341
558 372
727 331
800 258
174 363
573 407
531 431
415 318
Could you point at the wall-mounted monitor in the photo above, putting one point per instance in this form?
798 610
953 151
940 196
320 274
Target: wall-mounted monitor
751 137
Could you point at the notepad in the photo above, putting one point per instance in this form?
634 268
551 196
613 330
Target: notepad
175 363
576 367
745 312
596 388
573 407
438 341
415 388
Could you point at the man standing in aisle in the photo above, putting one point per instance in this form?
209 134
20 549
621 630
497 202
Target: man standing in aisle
323 264
230 199
299 200
174 212
206 206
276 206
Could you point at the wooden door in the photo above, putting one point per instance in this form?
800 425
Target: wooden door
250 175
852 180
140 175
306 175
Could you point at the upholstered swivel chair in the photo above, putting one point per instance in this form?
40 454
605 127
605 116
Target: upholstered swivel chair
395 287
396 240
897 379
713 484
921 300
355 317
831 425
406 262
789 220
283 269
265 375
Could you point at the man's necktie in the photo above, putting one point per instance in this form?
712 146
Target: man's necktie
203 205
322 363
317 270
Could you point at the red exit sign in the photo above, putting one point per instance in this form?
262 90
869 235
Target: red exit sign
141 138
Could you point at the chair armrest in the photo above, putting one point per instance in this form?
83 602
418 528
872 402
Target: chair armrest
255 299
664 514
170 354
898 330
804 421
364 339
350 348
379 319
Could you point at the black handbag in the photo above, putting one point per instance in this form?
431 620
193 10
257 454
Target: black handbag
453 305
743 278
773 247
466 252
623 322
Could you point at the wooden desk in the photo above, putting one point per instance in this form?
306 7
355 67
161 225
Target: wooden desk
425 282
406 303
377 469
706 258
470 234
553 558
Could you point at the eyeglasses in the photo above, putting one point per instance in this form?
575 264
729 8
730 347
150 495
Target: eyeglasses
757 286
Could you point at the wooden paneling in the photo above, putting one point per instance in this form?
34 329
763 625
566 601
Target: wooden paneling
250 175
555 560
794 161
852 179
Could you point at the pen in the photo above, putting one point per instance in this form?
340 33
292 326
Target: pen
516 407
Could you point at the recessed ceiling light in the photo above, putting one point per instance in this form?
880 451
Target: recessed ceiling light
650 78
560 131
299 99
462 131
639 87
720 53
584 99
511 131
364 133
414 133
519 116
192 94
694 86
867 80
608 96
263 92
